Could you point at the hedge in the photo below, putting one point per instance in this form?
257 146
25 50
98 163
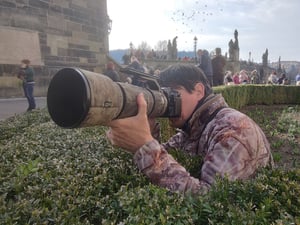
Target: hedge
50 175
238 96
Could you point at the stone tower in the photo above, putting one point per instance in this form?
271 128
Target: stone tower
53 34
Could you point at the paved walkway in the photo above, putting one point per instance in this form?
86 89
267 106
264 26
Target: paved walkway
14 106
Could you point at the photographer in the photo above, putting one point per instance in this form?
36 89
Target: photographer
231 144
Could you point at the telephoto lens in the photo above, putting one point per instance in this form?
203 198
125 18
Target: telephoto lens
80 98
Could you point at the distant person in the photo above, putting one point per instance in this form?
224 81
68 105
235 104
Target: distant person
236 79
228 80
204 63
273 79
156 72
243 77
298 79
218 65
283 80
254 77
26 74
111 72
135 64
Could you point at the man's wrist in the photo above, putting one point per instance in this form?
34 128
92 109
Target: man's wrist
143 157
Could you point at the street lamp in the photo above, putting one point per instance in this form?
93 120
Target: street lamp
195 48
109 25
131 46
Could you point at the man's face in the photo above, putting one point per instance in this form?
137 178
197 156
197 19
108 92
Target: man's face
188 104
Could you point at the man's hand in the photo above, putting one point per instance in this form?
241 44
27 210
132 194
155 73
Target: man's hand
133 132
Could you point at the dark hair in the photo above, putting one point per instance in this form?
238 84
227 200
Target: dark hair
110 65
186 76
26 61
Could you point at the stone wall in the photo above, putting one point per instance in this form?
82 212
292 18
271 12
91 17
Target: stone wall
53 34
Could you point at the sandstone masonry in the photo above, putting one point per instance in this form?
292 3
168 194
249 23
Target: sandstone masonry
53 34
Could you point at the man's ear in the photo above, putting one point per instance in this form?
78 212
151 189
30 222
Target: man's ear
199 90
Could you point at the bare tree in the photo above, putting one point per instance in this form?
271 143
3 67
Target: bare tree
161 49
161 46
144 46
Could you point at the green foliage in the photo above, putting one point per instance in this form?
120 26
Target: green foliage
50 175
17 124
282 128
238 96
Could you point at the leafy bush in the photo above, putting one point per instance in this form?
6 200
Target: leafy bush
238 96
50 175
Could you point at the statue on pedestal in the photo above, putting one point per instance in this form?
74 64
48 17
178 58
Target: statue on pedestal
169 55
265 58
234 49
172 49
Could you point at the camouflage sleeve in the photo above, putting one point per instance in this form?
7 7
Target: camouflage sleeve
155 131
163 170
176 141
231 154
237 154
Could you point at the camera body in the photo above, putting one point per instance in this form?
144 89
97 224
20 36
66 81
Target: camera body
152 82
79 98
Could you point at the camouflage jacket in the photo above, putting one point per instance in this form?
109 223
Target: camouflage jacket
232 145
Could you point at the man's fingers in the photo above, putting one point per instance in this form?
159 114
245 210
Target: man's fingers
142 110
142 104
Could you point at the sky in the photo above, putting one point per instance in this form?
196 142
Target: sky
261 25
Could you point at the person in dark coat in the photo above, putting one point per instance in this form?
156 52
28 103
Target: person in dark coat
111 72
218 65
204 63
26 74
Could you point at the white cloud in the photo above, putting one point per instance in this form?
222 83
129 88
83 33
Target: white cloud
261 24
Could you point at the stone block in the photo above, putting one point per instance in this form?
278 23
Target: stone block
78 37
94 61
89 29
62 52
39 4
55 42
73 59
46 50
72 26
79 4
19 44
78 46
56 22
7 4
54 9
67 12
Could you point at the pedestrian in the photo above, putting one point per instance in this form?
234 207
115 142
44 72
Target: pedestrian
204 63
218 65
111 72
297 78
26 74
273 79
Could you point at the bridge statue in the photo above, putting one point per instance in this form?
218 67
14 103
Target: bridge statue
234 49
265 58
172 49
